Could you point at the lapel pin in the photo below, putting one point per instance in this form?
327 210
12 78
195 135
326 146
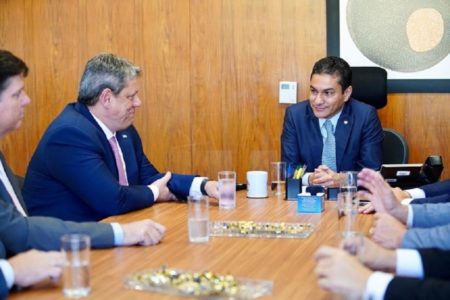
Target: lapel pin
345 122
124 136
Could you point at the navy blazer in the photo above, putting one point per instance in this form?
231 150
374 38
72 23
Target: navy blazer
435 192
19 233
437 188
73 175
358 134
436 285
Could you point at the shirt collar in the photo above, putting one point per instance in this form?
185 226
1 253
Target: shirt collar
109 134
334 119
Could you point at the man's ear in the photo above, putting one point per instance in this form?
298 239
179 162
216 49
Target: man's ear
347 93
105 97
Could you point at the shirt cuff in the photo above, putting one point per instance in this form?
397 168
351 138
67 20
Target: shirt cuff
8 272
118 234
416 193
305 179
409 263
409 220
406 201
155 191
195 191
376 285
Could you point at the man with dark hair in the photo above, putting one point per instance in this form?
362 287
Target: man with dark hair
90 163
331 132
19 233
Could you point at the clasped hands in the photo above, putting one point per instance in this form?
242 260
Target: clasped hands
323 175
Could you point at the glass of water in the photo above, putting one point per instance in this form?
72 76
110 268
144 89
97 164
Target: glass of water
347 209
278 178
76 251
353 243
227 189
198 219
348 182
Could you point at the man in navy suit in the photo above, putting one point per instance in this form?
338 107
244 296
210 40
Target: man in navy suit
356 131
430 193
438 192
419 274
425 225
90 163
19 233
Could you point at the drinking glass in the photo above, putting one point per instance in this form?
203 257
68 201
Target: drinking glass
347 209
76 248
227 189
278 178
198 219
348 182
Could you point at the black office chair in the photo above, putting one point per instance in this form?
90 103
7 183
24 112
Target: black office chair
370 86
395 147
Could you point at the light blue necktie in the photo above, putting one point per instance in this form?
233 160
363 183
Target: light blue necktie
329 147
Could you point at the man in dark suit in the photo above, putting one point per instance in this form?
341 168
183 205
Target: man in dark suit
407 226
19 233
354 138
430 193
419 274
438 192
90 163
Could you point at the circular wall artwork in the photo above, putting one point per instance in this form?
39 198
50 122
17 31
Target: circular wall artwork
402 35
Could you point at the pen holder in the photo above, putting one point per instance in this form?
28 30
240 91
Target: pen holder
332 193
293 188
310 203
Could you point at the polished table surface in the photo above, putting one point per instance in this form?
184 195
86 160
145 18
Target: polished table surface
288 263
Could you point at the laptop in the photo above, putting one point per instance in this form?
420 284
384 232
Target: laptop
404 176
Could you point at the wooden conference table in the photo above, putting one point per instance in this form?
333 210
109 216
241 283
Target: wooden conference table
288 263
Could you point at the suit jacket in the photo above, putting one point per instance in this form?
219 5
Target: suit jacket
435 199
435 192
437 188
431 227
4 291
430 214
358 134
73 175
436 285
19 233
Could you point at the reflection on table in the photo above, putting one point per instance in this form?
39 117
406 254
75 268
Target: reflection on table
288 263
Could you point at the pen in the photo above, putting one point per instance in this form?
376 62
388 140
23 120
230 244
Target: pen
302 170
296 172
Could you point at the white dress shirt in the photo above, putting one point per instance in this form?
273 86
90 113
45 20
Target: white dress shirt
415 193
409 264
9 188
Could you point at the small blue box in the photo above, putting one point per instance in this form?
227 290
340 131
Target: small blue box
310 204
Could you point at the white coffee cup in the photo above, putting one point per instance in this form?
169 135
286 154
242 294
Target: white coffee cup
257 184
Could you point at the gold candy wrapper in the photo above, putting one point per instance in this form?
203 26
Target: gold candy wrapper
260 229
205 285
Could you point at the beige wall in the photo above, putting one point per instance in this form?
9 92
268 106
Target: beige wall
210 81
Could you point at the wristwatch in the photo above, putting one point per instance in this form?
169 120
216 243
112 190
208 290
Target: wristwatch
202 186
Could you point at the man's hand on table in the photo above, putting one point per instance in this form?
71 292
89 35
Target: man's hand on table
144 232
